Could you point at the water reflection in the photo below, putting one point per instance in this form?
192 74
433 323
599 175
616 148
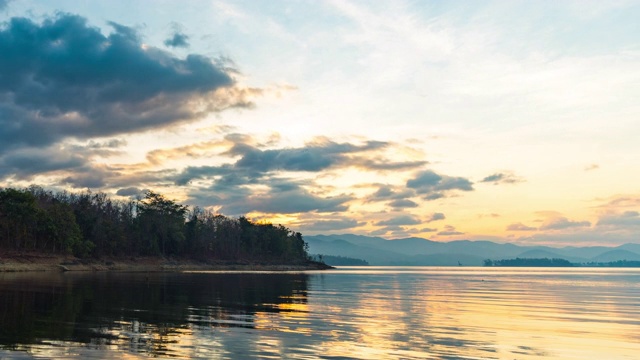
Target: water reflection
350 313
486 313
154 314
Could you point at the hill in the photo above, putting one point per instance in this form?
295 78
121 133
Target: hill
416 251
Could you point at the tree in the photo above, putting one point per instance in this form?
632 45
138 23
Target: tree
19 215
162 223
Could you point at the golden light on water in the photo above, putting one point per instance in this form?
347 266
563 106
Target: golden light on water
372 312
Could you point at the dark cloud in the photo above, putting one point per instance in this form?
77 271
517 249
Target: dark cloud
520 227
129 191
559 223
63 78
627 218
4 4
435 217
428 230
23 164
501 178
387 192
178 39
109 144
383 193
289 202
313 157
399 220
402 204
85 180
283 196
254 163
295 201
434 186
61 160
370 164
434 196
199 172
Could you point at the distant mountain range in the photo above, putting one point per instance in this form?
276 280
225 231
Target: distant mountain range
418 251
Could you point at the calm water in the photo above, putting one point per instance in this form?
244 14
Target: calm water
364 313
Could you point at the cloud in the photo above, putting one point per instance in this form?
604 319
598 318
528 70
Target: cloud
370 164
560 223
281 196
291 201
25 163
402 204
129 191
434 196
435 217
178 39
399 220
4 4
330 225
394 231
520 227
192 151
591 167
389 192
434 186
63 78
449 231
428 230
622 201
501 178
73 164
85 180
315 156
625 219
491 215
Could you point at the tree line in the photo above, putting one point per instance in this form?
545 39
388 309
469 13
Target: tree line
91 224
337 260
544 262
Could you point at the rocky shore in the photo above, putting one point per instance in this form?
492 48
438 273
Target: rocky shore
28 261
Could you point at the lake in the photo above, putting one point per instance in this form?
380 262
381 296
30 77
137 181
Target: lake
348 313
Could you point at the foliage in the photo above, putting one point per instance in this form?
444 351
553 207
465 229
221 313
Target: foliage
91 224
618 263
545 262
336 260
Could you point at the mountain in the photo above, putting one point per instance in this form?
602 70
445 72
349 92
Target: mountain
631 247
339 247
423 252
582 252
615 255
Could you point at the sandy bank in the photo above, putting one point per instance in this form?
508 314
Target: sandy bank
13 262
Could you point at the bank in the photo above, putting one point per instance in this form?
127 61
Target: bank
34 261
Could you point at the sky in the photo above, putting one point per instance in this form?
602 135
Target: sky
509 121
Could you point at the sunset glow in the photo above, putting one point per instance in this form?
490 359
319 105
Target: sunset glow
504 121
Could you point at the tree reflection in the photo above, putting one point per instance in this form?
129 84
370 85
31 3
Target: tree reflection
142 313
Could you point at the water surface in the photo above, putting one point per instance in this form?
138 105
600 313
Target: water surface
352 312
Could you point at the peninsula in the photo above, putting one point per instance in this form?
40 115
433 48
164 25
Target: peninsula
41 230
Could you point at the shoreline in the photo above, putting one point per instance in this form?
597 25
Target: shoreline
39 262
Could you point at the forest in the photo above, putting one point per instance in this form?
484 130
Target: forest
544 262
91 224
